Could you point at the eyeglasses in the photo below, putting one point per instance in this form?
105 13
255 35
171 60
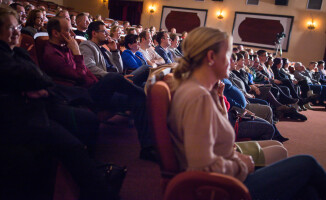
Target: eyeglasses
42 19
103 31
15 28
22 13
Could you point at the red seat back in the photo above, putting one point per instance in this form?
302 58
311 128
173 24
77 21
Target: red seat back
27 42
158 99
204 186
40 44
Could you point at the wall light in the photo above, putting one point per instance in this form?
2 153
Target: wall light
151 9
220 14
311 24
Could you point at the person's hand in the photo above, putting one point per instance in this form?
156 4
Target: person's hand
128 76
250 96
37 94
220 89
248 161
277 81
257 91
112 44
71 44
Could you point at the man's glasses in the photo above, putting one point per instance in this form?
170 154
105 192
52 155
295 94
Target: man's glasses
103 31
15 28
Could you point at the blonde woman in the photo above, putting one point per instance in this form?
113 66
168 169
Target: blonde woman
203 136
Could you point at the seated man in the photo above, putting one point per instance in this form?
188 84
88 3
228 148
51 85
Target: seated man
299 72
100 61
82 22
152 58
174 46
62 60
164 42
321 74
32 126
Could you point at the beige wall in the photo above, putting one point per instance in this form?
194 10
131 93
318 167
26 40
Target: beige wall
304 45
59 2
94 7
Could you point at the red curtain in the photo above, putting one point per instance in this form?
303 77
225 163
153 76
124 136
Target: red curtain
126 11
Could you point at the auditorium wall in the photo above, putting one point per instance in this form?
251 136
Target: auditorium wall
94 7
305 45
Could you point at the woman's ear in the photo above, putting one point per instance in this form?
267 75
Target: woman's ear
210 57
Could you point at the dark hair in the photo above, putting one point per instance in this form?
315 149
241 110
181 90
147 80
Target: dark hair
235 49
130 39
234 56
159 36
142 35
285 61
173 36
321 62
94 26
125 22
15 5
139 26
154 37
312 62
243 52
32 17
129 30
276 62
239 56
261 52
54 24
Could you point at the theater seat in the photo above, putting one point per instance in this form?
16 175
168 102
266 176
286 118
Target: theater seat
27 42
40 42
184 185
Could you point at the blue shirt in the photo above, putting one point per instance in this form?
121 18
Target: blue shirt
234 96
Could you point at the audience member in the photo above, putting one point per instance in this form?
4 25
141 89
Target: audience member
34 23
29 8
73 21
19 8
205 141
125 25
115 33
173 31
63 61
164 42
149 53
131 57
82 24
175 41
33 124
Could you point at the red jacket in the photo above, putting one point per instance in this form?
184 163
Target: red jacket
66 68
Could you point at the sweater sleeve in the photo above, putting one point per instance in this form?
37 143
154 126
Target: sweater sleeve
89 59
199 122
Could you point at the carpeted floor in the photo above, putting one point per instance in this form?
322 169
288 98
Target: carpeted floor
118 144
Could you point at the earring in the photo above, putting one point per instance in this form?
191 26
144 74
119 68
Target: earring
210 63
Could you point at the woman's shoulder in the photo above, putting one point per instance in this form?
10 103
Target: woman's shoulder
190 90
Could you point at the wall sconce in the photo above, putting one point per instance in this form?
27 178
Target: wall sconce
151 9
311 24
220 15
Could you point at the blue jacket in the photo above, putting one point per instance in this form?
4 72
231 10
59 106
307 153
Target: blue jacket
131 61
234 95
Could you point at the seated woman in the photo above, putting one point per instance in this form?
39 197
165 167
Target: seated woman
131 57
34 23
204 138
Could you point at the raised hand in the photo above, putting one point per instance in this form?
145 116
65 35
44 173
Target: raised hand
71 44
